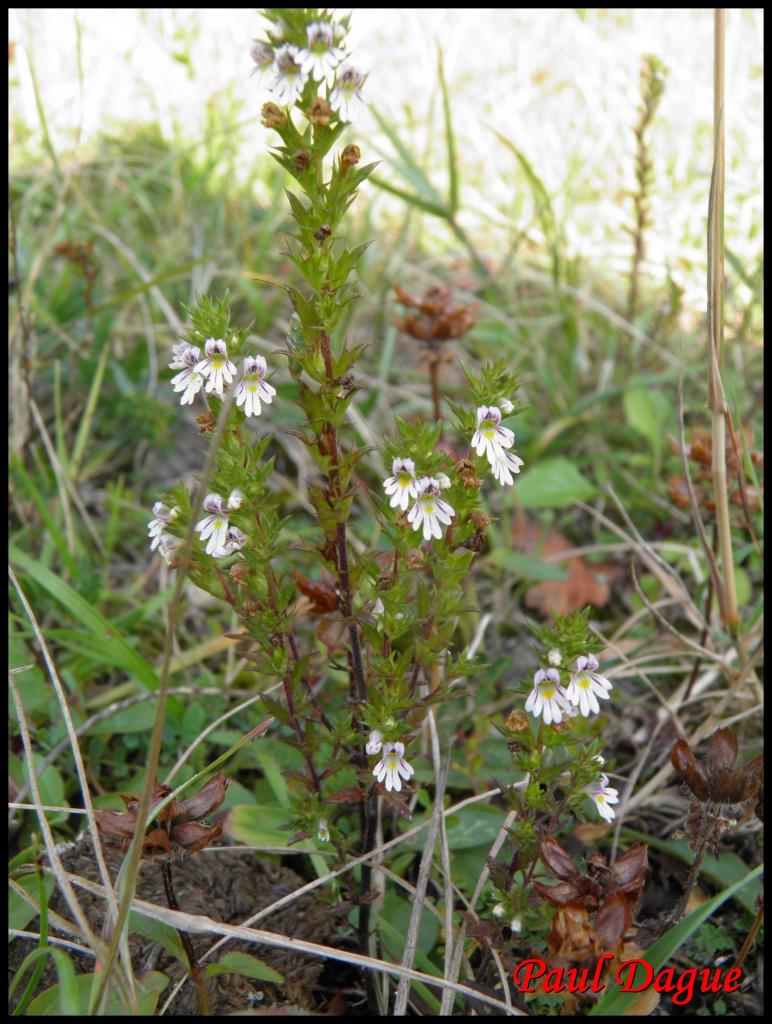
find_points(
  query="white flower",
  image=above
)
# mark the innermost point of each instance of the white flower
(506, 405)
(253, 388)
(599, 759)
(378, 608)
(168, 545)
(321, 55)
(429, 509)
(547, 697)
(587, 685)
(156, 526)
(443, 480)
(235, 499)
(504, 465)
(190, 380)
(375, 742)
(402, 485)
(499, 910)
(602, 795)
(323, 832)
(555, 658)
(234, 541)
(516, 924)
(290, 76)
(215, 525)
(346, 94)
(490, 438)
(393, 765)
(181, 356)
(216, 367)
(263, 56)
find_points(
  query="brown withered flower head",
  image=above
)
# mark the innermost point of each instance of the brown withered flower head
(435, 317)
(176, 829)
(742, 493)
(717, 785)
(593, 911)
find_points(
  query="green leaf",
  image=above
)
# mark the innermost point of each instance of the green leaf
(648, 411)
(394, 940)
(75, 999)
(50, 784)
(615, 1002)
(244, 964)
(164, 934)
(450, 139)
(104, 630)
(526, 566)
(723, 870)
(20, 913)
(552, 483)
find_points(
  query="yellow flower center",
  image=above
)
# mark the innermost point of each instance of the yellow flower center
(549, 694)
(428, 506)
(584, 681)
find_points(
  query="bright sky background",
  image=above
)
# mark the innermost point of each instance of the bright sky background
(561, 83)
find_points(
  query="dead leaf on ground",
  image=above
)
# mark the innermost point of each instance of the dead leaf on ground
(586, 583)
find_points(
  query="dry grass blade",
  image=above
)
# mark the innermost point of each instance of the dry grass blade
(498, 842)
(203, 925)
(411, 939)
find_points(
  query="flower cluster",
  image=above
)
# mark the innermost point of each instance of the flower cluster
(215, 373)
(429, 510)
(291, 67)
(166, 542)
(492, 440)
(392, 767)
(222, 538)
(551, 700)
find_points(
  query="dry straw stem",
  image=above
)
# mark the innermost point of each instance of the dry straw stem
(411, 940)
(130, 867)
(716, 398)
(349, 866)
(201, 924)
(79, 766)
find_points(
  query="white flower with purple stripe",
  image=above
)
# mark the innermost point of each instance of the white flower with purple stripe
(547, 699)
(602, 796)
(402, 484)
(290, 76)
(253, 389)
(190, 380)
(216, 367)
(346, 96)
(214, 526)
(393, 767)
(504, 465)
(430, 510)
(156, 526)
(587, 685)
(490, 438)
(263, 56)
(320, 55)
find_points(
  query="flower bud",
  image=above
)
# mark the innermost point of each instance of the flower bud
(272, 116)
(206, 421)
(301, 160)
(320, 112)
(517, 721)
(350, 156)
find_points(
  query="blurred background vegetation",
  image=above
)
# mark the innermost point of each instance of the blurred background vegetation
(527, 156)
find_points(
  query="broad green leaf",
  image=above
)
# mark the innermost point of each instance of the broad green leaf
(526, 566)
(552, 483)
(63, 997)
(397, 911)
(166, 936)
(649, 412)
(615, 1002)
(106, 631)
(246, 965)
(50, 784)
(20, 913)
(257, 826)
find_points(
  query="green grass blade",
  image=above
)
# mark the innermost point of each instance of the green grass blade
(436, 209)
(450, 140)
(89, 617)
(409, 169)
(615, 1002)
